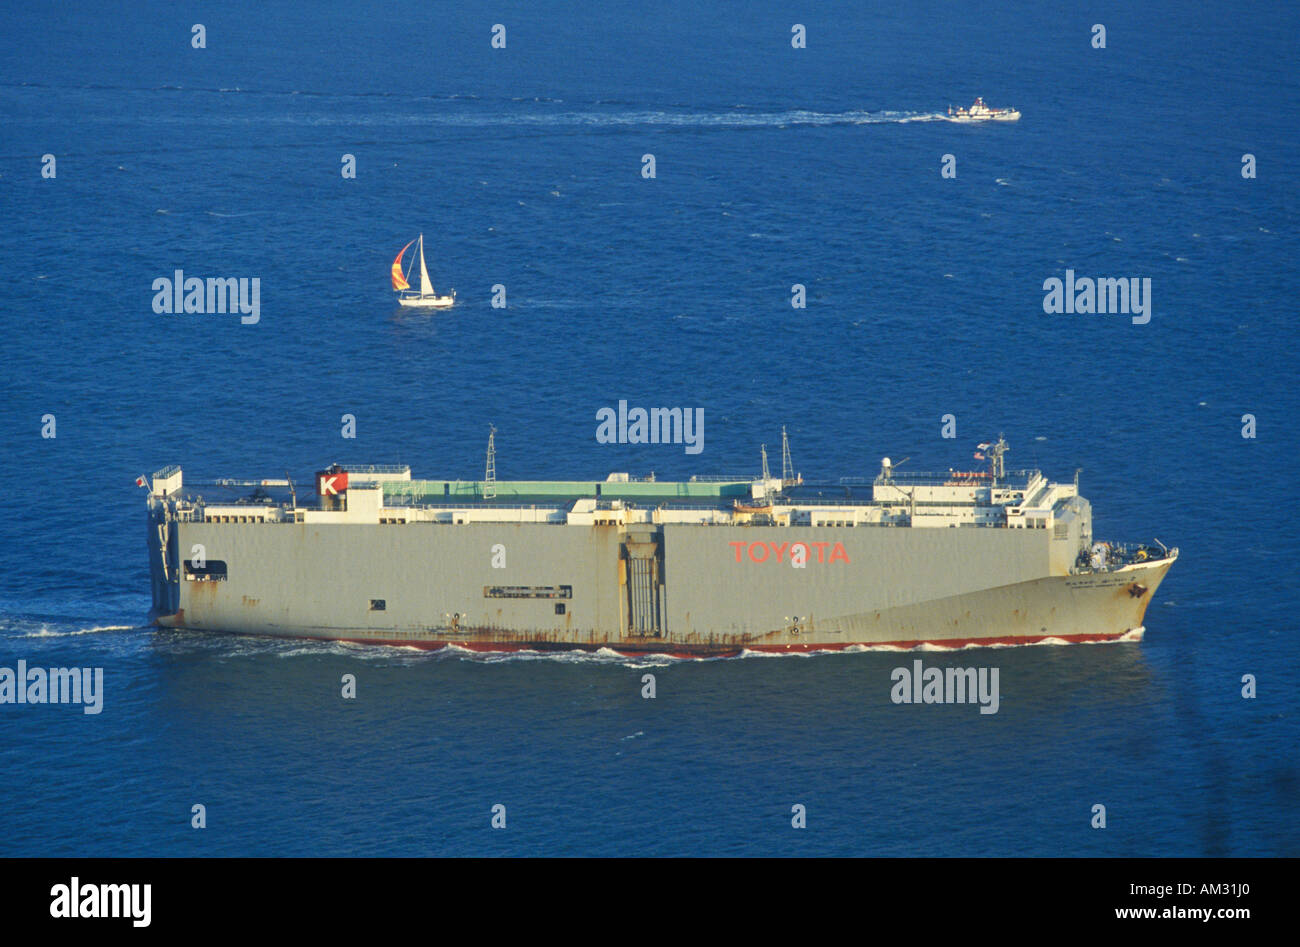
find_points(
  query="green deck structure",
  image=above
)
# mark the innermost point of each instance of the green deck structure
(564, 491)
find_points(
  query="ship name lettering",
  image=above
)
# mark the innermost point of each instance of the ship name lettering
(760, 552)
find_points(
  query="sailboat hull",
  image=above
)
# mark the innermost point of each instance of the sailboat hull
(427, 302)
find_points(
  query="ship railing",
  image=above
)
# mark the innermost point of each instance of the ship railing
(828, 501)
(376, 468)
(641, 504)
(408, 502)
(867, 501)
(715, 507)
(939, 478)
(233, 482)
(645, 503)
(719, 478)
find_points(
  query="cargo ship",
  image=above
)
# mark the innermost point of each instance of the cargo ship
(710, 566)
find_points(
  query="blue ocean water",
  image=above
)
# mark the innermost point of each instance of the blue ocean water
(774, 166)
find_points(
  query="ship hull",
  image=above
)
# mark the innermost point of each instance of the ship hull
(679, 590)
(969, 120)
(426, 302)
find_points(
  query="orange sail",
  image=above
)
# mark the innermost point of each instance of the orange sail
(399, 281)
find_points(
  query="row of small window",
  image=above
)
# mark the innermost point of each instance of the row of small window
(379, 605)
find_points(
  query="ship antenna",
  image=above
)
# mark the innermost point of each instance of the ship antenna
(999, 465)
(787, 467)
(490, 474)
(766, 475)
(293, 494)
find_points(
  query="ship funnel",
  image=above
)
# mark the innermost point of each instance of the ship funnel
(332, 487)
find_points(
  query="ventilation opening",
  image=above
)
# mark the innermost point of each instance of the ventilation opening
(213, 571)
(528, 591)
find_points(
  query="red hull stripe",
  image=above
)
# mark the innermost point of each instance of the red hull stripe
(714, 651)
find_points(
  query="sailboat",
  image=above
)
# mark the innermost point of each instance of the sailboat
(425, 297)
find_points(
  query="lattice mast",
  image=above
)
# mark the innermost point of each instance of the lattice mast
(490, 473)
(788, 476)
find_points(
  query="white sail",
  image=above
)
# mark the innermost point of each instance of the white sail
(426, 285)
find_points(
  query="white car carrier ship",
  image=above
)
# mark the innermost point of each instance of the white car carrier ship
(708, 566)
